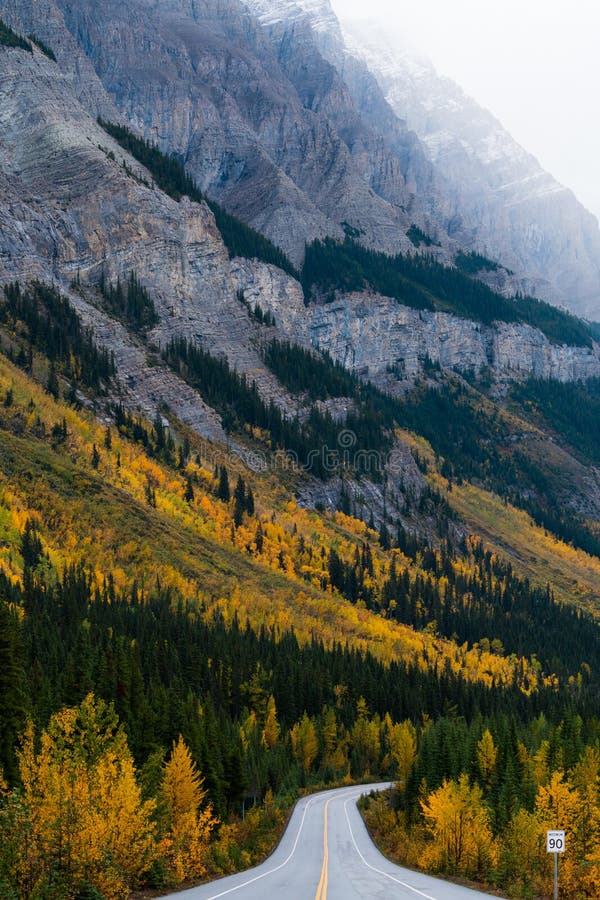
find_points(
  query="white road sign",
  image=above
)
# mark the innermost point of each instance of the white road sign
(555, 841)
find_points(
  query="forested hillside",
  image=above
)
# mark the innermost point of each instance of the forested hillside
(224, 649)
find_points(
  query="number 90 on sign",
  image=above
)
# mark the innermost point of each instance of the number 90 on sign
(555, 841)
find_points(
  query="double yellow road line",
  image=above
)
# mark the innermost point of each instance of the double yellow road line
(322, 888)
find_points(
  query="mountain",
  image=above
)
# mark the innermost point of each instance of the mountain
(503, 204)
(288, 521)
(486, 192)
(272, 101)
(218, 95)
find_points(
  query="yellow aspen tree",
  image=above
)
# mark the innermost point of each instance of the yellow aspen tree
(487, 754)
(402, 740)
(556, 803)
(328, 733)
(523, 854)
(115, 840)
(365, 739)
(248, 730)
(188, 826)
(333, 741)
(585, 839)
(305, 743)
(459, 824)
(270, 734)
(87, 818)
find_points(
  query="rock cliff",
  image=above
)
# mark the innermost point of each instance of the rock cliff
(258, 138)
(300, 131)
(389, 343)
(74, 204)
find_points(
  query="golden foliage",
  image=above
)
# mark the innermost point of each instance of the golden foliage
(459, 823)
(85, 810)
(305, 743)
(487, 754)
(270, 734)
(188, 827)
(402, 739)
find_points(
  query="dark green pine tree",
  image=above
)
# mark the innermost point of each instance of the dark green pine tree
(13, 691)
(259, 538)
(239, 496)
(95, 457)
(384, 535)
(159, 431)
(31, 546)
(237, 780)
(223, 492)
(189, 490)
(52, 385)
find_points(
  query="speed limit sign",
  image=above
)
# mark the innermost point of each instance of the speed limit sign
(555, 842)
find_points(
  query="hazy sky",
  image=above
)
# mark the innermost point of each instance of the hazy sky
(534, 63)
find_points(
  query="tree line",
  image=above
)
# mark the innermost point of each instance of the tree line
(42, 319)
(423, 283)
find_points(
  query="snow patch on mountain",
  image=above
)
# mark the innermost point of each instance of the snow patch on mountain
(319, 12)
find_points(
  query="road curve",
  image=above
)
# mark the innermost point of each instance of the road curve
(327, 854)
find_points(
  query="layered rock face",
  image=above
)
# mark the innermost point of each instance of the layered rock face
(286, 152)
(287, 123)
(392, 344)
(74, 205)
(483, 192)
(501, 201)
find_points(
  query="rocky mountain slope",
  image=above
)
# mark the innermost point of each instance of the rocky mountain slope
(79, 211)
(218, 95)
(279, 117)
(502, 202)
(77, 205)
(485, 191)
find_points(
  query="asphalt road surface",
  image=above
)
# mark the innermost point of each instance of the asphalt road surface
(327, 854)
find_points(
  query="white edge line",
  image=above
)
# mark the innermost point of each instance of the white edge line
(271, 871)
(238, 887)
(379, 871)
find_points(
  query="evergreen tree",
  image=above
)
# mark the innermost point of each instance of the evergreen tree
(258, 538)
(52, 385)
(31, 545)
(95, 457)
(239, 496)
(13, 690)
(223, 492)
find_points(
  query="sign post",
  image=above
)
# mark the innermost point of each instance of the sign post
(555, 843)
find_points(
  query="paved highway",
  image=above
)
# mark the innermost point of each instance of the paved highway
(327, 854)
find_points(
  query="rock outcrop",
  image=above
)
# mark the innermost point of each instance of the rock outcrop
(389, 343)
(301, 133)
(74, 204)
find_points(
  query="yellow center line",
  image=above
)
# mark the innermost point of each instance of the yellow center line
(322, 888)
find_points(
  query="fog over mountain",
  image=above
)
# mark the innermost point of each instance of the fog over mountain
(497, 199)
